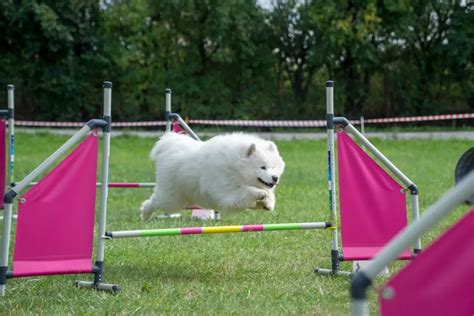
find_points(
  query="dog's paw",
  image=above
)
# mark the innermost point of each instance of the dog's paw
(146, 215)
(261, 195)
(268, 204)
(145, 210)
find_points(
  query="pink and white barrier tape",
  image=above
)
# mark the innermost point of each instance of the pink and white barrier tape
(260, 123)
(263, 123)
(80, 124)
(422, 118)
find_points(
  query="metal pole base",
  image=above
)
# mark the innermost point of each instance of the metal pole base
(330, 272)
(114, 288)
(359, 308)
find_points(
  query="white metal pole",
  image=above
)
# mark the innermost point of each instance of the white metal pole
(187, 128)
(11, 135)
(359, 308)
(168, 109)
(98, 283)
(5, 246)
(104, 189)
(415, 208)
(332, 173)
(362, 128)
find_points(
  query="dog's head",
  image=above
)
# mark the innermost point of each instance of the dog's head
(264, 165)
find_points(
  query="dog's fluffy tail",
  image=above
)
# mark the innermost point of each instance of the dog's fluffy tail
(171, 143)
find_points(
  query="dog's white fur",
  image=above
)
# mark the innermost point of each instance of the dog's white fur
(226, 172)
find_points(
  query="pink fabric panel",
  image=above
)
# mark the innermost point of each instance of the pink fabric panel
(55, 227)
(440, 281)
(49, 267)
(3, 153)
(373, 209)
(176, 128)
(367, 253)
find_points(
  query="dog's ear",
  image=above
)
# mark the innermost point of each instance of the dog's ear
(272, 146)
(251, 150)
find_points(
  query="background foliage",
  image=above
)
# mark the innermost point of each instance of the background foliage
(237, 59)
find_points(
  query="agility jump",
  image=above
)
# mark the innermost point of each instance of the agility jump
(216, 230)
(372, 204)
(361, 239)
(70, 234)
(49, 240)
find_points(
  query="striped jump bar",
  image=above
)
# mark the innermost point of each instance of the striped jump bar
(130, 184)
(121, 184)
(216, 230)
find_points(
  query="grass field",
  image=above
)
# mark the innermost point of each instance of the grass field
(254, 273)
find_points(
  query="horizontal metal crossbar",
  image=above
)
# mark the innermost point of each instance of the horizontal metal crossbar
(216, 229)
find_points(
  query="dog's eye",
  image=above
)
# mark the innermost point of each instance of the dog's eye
(263, 168)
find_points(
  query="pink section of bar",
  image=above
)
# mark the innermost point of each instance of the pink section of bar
(123, 185)
(373, 208)
(3, 153)
(440, 281)
(252, 228)
(191, 230)
(55, 226)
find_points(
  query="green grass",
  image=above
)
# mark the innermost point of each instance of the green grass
(264, 273)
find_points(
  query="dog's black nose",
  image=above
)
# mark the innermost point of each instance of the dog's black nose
(275, 178)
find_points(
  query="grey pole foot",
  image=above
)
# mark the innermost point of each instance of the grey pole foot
(114, 288)
(330, 272)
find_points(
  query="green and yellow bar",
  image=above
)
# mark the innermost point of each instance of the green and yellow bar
(216, 230)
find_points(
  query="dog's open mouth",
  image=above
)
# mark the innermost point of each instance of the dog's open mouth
(270, 185)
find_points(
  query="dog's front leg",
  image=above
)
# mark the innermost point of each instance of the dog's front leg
(246, 197)
(262, 199)
(268, 203)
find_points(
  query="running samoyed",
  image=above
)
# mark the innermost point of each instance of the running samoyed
(227, 172)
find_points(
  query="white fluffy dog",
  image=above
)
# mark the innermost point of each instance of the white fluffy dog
(227, 172)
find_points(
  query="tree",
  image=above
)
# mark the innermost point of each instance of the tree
(428, 49)
(351, 29)
(235, 59)
(294, 38)
(52, 52)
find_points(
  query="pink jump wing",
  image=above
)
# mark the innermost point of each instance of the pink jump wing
(440, 281)
(55, 228)
(373, 205)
